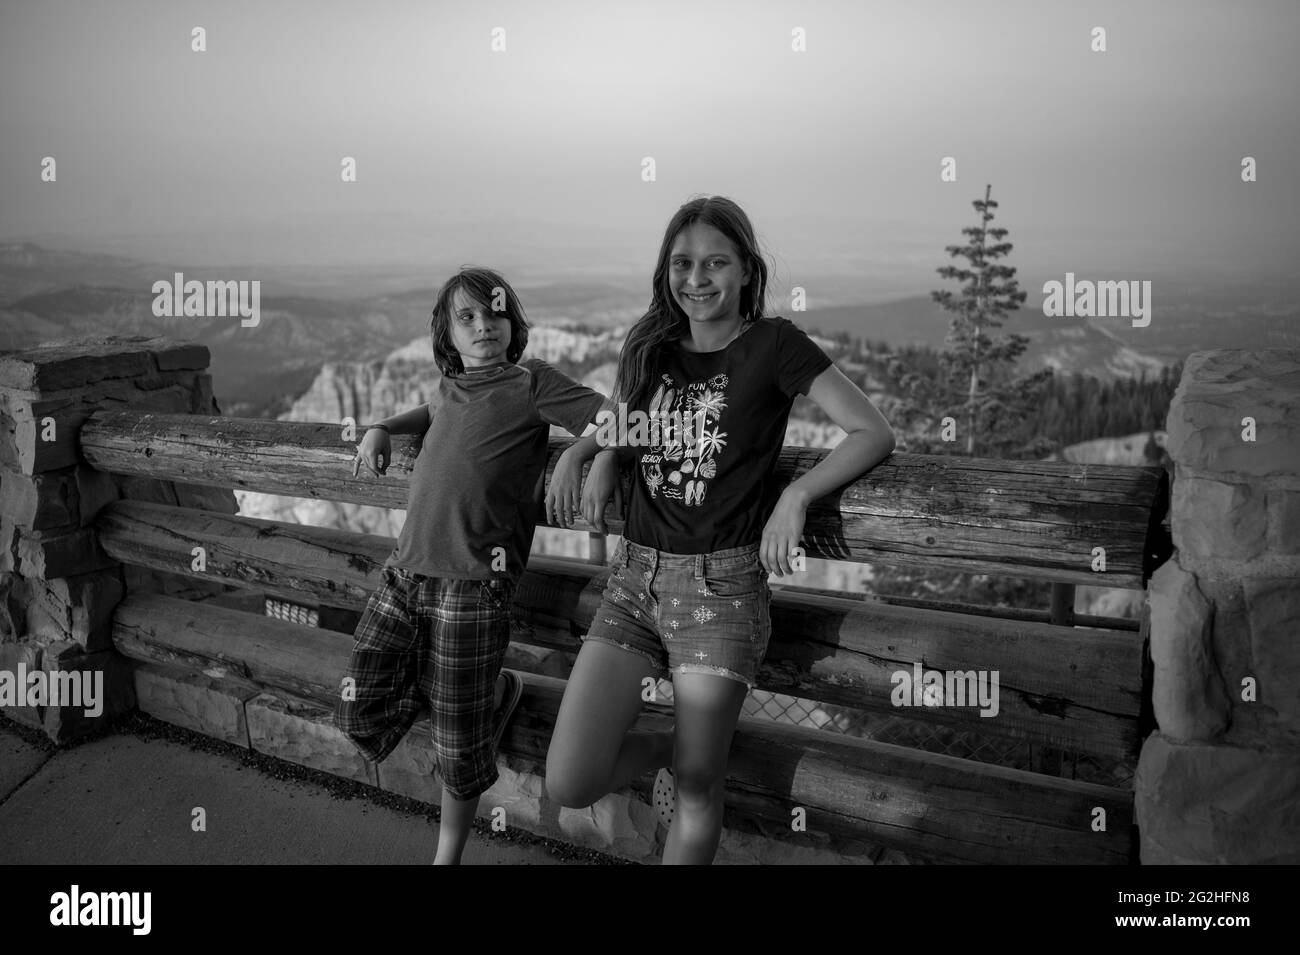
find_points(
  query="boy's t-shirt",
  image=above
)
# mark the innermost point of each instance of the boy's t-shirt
(715, 490)
(477, 481)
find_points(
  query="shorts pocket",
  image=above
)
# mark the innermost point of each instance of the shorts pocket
(743, 581)
(497, 593)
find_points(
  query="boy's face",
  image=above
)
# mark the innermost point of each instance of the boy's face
(480, 335)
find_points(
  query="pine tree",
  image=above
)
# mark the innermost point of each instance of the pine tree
(974, 384)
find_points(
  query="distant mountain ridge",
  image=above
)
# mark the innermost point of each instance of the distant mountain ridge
(49, 295)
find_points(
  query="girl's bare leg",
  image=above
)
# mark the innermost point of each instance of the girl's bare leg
(707, 709)
(592, 753)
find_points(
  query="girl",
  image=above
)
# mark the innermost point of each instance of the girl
(437, 629)
(688, 593)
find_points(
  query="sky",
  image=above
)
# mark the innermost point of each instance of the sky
(1126, 161)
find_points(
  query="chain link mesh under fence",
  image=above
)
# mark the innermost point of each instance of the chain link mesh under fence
(929, 737)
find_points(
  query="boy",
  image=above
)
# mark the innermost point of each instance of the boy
(438, 627)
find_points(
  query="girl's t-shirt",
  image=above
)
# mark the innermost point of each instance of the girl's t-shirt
(476, 487)
(704, 478)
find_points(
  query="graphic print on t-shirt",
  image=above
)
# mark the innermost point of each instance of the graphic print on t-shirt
(688, 421)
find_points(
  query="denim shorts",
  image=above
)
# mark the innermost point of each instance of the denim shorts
(688, 613)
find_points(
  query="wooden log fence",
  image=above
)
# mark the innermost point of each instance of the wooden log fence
(1061, 686)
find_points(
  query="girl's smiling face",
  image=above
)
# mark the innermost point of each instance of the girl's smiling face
(706, 275)
(480, 335)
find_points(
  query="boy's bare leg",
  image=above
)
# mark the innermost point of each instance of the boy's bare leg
(453, 832)
(458, 814)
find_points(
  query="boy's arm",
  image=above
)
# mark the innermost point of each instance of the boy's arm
(415, 421)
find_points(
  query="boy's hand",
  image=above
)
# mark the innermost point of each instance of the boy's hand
(602, 481)
(374, 450)
(563, 494)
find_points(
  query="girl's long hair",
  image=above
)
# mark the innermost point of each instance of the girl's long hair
(481, 285)
(665, 322)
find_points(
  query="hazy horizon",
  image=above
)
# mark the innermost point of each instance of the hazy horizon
(1118, 165)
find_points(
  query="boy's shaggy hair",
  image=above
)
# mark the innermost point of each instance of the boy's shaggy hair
(482, 286)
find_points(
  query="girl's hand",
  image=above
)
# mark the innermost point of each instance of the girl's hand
(563, 494)
(374, 450)
(602, 481)
(782, 533)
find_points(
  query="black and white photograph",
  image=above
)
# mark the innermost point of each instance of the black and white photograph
(576, 433)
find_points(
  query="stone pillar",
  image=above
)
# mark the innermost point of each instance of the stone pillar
(1219, 782)
(58, 589)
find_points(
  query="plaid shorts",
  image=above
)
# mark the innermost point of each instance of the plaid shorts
(435, 641)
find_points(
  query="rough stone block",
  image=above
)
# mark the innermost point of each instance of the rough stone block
(1218, 390)
(44, 433)
(410, 769)
(1284, 521)
(94, 489)
(29, 656)
(1188, 695)
(1204, 804)
(15, 597)
(53, 500)
(187, 355)
(208, 705)
(71, 364)
(78, 609)
(1232, 654)
(37, 502)
(202, 400)
(1218, 520)
(619, 822)
(300, 731)
(1274, 609)
(61, 555)
(8, 545)
(108, 672)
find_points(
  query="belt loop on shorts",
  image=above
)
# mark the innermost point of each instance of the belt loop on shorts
(699, 566)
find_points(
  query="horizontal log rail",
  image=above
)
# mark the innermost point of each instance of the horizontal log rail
(920, 802)
(1035, 519)
(980, 610)
(1072, 689)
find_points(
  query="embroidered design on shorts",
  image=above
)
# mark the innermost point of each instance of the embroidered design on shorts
(703, 614)
(618, 594)
(676, 602)
(736, 604)
(673, 624)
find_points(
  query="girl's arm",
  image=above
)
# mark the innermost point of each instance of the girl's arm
(869, 440)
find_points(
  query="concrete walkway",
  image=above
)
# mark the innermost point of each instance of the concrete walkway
(129, 797)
